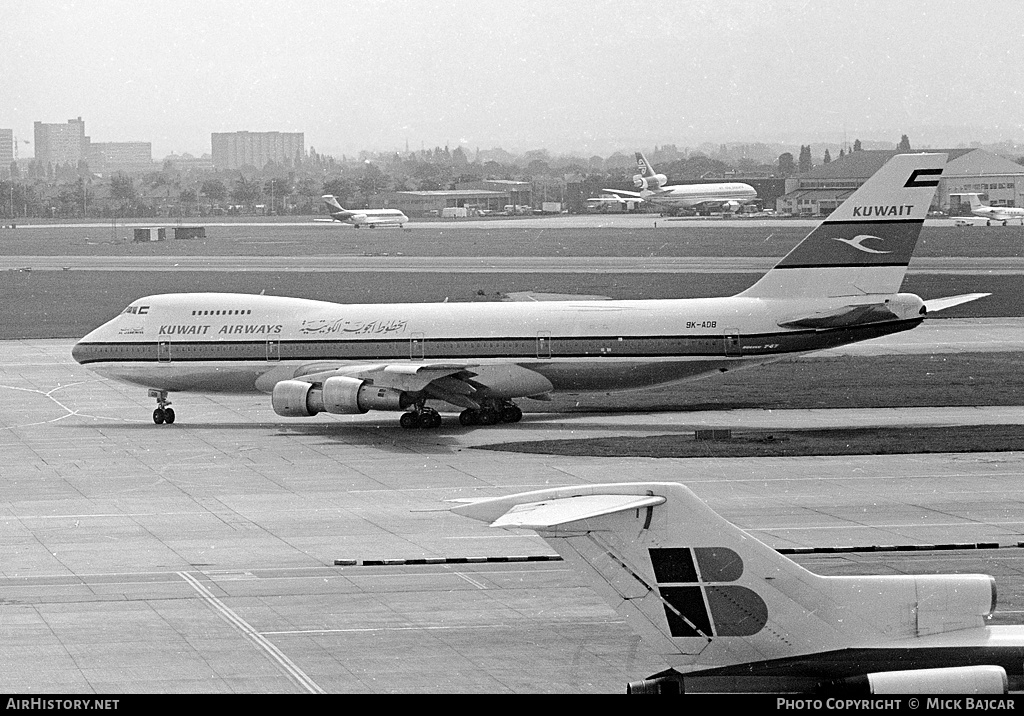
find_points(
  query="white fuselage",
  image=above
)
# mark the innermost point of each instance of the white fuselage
(247, 343)
(371, 217)
(999, 213)
(688, 196)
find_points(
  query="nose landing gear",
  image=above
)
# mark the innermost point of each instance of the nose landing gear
(162, 414)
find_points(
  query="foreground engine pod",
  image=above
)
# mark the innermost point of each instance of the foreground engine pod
(340, 394)
(981, 679)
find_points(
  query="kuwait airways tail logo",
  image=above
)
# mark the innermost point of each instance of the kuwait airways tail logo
(857, 242)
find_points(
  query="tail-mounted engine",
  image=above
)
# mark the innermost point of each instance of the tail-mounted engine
(339, 394)
(655, 181)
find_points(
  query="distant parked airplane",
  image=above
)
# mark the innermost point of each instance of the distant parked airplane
(726, 612)
(727, 195)
(997, 213)
(363, 217)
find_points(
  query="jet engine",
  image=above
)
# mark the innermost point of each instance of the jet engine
(358, 218)
(981, 679)
(339, 394)
(652, 182)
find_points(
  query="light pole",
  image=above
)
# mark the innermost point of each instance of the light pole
(271, 197)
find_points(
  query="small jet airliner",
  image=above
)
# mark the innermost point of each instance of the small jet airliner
(727, 612)
(362, 217)
(728, 196)
(839, 285)
(996, 213)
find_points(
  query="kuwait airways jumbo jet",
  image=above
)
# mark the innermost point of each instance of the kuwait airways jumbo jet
(727, 195)
(839, 285)
(727, 612)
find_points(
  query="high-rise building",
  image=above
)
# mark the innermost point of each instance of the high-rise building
(6, 151)
(232, 150)
(59, 144)
(128, 157)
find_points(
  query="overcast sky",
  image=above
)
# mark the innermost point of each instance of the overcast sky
(589, 76)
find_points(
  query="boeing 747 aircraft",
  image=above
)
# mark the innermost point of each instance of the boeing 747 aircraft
(727, 612)
(727, 195)
(362, 217)
(839, 285)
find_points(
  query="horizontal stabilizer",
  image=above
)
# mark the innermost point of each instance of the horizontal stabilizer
(843, 317)
(550, 513)
(941, 304)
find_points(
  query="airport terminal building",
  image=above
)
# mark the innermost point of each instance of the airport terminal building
(819, 191)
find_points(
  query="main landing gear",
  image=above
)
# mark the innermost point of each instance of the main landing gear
(420, 417)
(492, 412)
(162, 414)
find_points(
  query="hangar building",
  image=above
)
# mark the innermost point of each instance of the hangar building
(825, 187)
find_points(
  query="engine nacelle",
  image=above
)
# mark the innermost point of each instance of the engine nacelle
(655, 181)
(339, 394)
(906, 305)
(981, 679)
(358, 218)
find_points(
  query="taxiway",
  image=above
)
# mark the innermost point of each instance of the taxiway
(201, 557)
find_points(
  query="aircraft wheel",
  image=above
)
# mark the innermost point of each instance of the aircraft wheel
(409, 421)
(168, 415)
(468, 417)
(488, 417)
(158, 416)
(430, 420)
(512, 414)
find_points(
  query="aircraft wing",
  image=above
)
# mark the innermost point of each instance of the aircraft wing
(940, 304)
(443, 381)
(623, 192)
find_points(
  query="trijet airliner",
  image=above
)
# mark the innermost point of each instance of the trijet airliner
(728, 196)
(728, 613)
(839, 285)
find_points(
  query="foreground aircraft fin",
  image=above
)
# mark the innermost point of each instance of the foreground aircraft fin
(706, 595)
(864, 246)
(941, 304)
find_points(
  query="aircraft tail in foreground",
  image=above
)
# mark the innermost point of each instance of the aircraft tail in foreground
(729, 613)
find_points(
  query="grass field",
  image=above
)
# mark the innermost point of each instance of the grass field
(788, 443)
(669, 239)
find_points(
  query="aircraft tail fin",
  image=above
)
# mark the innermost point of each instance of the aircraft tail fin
(643, 166)
(332, 202)
(707, 595)
(975, 200)
(864, 246)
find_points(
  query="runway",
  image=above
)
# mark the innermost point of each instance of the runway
(200, 557)
(473, 264)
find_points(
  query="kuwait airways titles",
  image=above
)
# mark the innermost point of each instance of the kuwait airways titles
(902, 210)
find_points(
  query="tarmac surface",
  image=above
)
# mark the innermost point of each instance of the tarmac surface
(200, 556)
